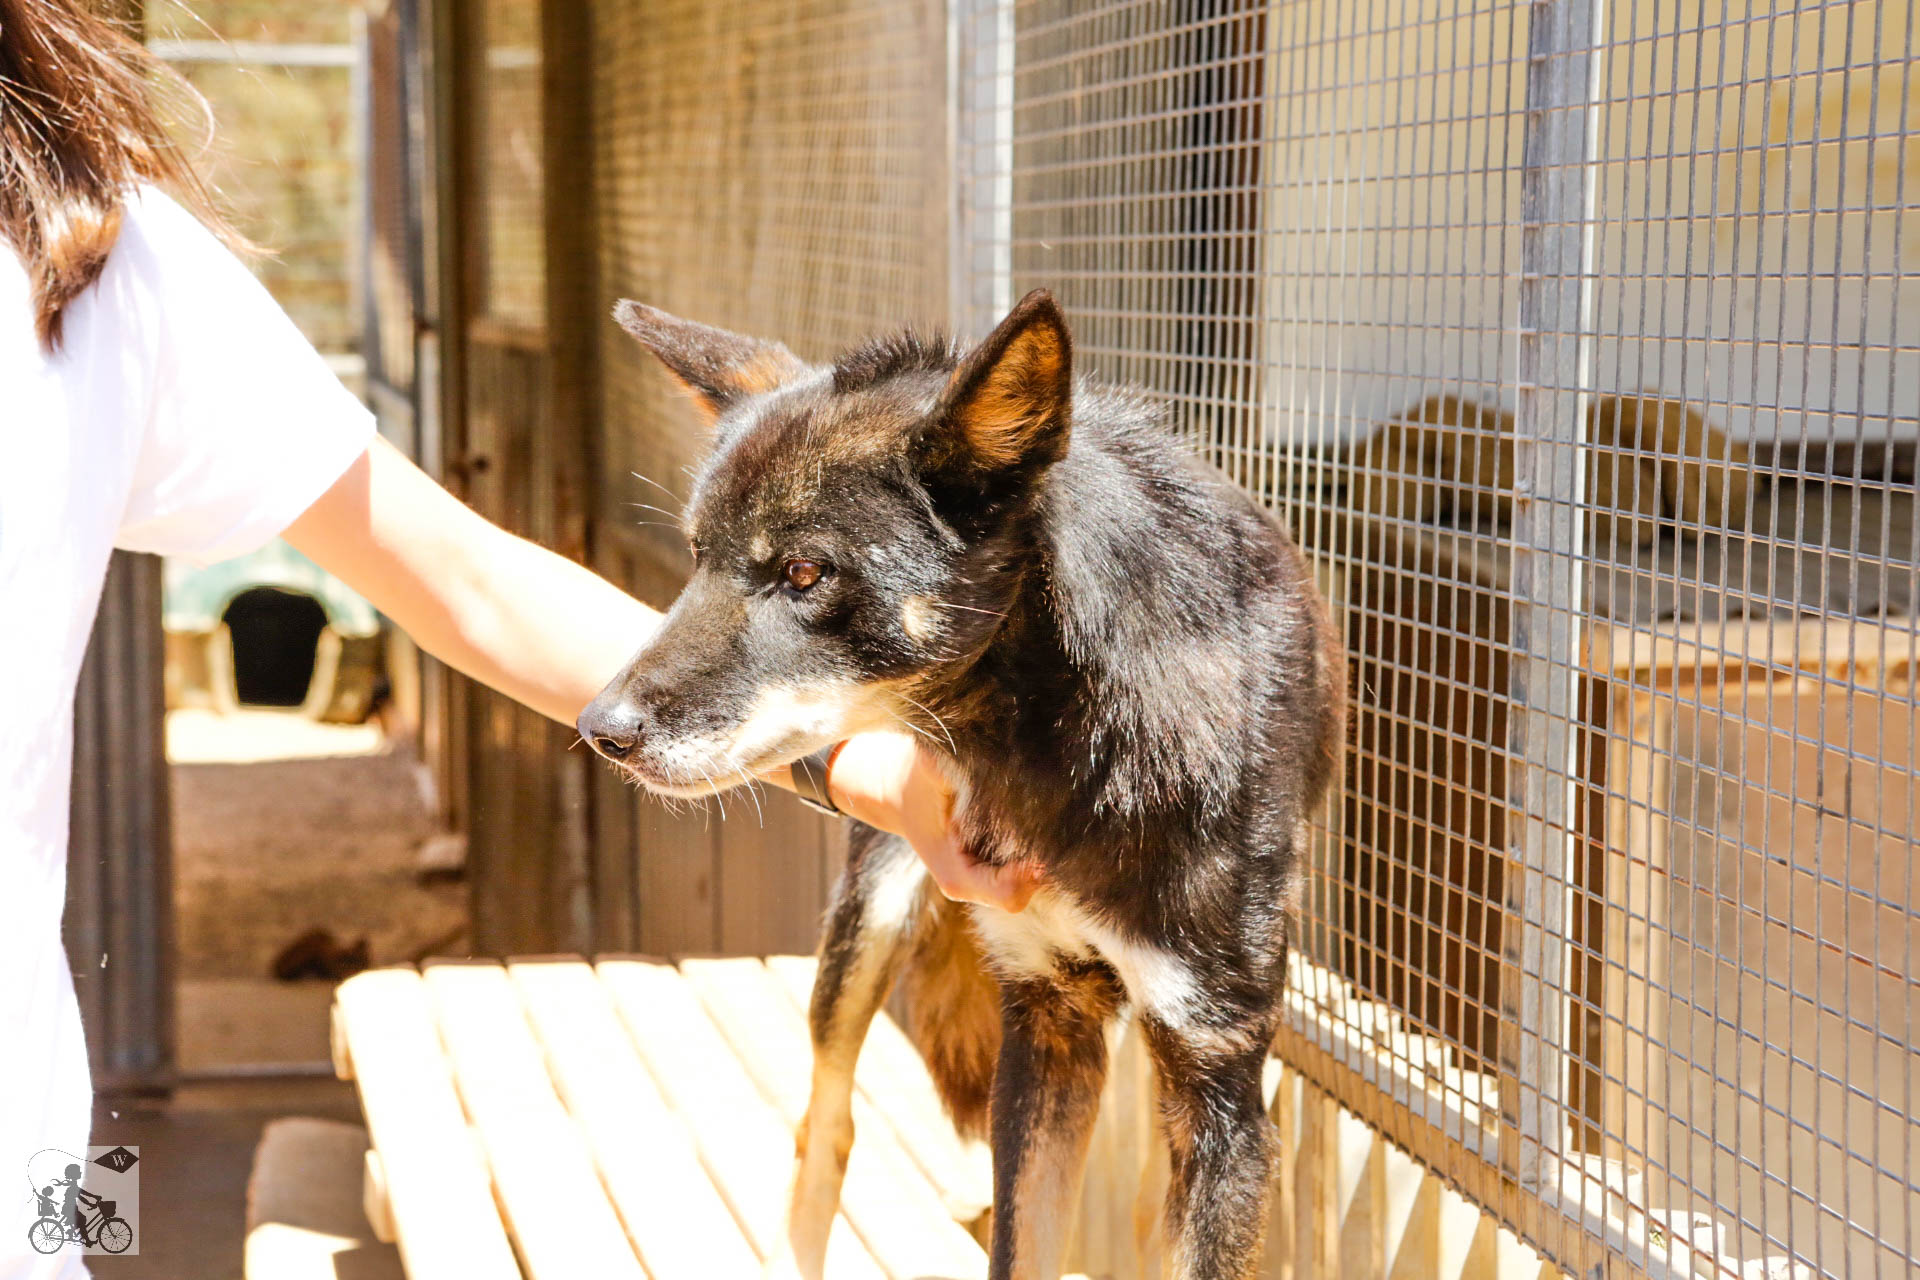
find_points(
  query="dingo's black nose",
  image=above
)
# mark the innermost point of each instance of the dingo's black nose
(613, 728)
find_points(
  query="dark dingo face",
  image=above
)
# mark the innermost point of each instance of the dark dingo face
(858, 533)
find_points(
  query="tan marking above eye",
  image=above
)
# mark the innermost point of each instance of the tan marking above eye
(918, 619)
(801, 573)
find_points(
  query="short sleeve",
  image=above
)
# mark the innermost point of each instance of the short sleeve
(247, 425)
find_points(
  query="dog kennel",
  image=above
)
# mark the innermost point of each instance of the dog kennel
(1575, 339)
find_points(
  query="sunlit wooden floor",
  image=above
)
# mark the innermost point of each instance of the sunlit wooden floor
(635, 1118)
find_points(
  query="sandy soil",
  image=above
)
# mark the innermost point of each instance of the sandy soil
(282, 825)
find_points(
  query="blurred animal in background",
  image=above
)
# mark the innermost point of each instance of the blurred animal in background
(318, 954)
(1654, 464)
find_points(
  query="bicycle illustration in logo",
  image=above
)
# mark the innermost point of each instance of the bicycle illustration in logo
(77, 1216)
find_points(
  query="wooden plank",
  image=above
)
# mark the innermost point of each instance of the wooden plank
(439, 1190)
(616, 919)
(892, 1076)
(1283, 1221)
(507, 873)
(1837, 648)
(1316, 1237)
(889, 1200)
(743, 1142)
(375, 1203)
(1498, 1254)
(1412, 1212)
(543, 1172)
(770, 895)
(570, 254)
(1150, 1203)
(1459, 1223)
(1121, 1193)
(1362, 1196)
(673, 1213)
(678, 871)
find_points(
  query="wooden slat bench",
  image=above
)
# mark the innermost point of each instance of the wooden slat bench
(553, 1118)
(631, 1117)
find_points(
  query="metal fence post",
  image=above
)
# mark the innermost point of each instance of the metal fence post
(980, 58)
(1555, 350)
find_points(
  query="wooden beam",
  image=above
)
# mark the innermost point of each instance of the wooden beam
(544, 1176)
(647, 1158)
(436, 1184)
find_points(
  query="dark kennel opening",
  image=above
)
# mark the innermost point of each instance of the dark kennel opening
(274, 635)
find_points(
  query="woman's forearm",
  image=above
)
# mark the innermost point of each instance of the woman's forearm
(532, 624)
(511, 614)
(536, 626)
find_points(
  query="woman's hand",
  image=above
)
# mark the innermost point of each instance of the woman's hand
(886, 781)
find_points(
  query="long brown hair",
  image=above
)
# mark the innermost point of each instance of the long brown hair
(81, 123)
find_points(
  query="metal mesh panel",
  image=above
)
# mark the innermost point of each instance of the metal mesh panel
(779, 168)
(1568, 337)
(509, 278)
(392, 223)
(1754, 224)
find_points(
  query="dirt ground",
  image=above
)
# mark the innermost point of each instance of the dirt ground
(281, 826)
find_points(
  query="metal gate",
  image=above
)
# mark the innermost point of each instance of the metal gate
(1569, 338)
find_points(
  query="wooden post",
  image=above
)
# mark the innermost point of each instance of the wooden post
(119, 911)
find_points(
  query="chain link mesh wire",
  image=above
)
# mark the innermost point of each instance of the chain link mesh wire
(509, 262)
(1569, 339)
(1575, 340)
(778, 168)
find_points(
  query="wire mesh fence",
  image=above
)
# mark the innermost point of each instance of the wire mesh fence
(770, 166)
(1576, 341)
(509, 271)
(1567, 337)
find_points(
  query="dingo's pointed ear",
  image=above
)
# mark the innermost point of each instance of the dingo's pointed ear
(719, 368)
(1009, 404)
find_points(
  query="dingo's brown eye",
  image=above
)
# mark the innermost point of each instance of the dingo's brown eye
(801, 574)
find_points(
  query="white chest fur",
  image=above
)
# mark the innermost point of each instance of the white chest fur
(1054, 928)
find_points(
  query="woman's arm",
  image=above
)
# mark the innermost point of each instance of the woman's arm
(549, 633)
(534, 625)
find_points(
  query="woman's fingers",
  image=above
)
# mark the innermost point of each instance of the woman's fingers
(886, 781)
(1008, 888)
(964, 878)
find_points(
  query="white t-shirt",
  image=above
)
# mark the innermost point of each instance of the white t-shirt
(183, 414)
